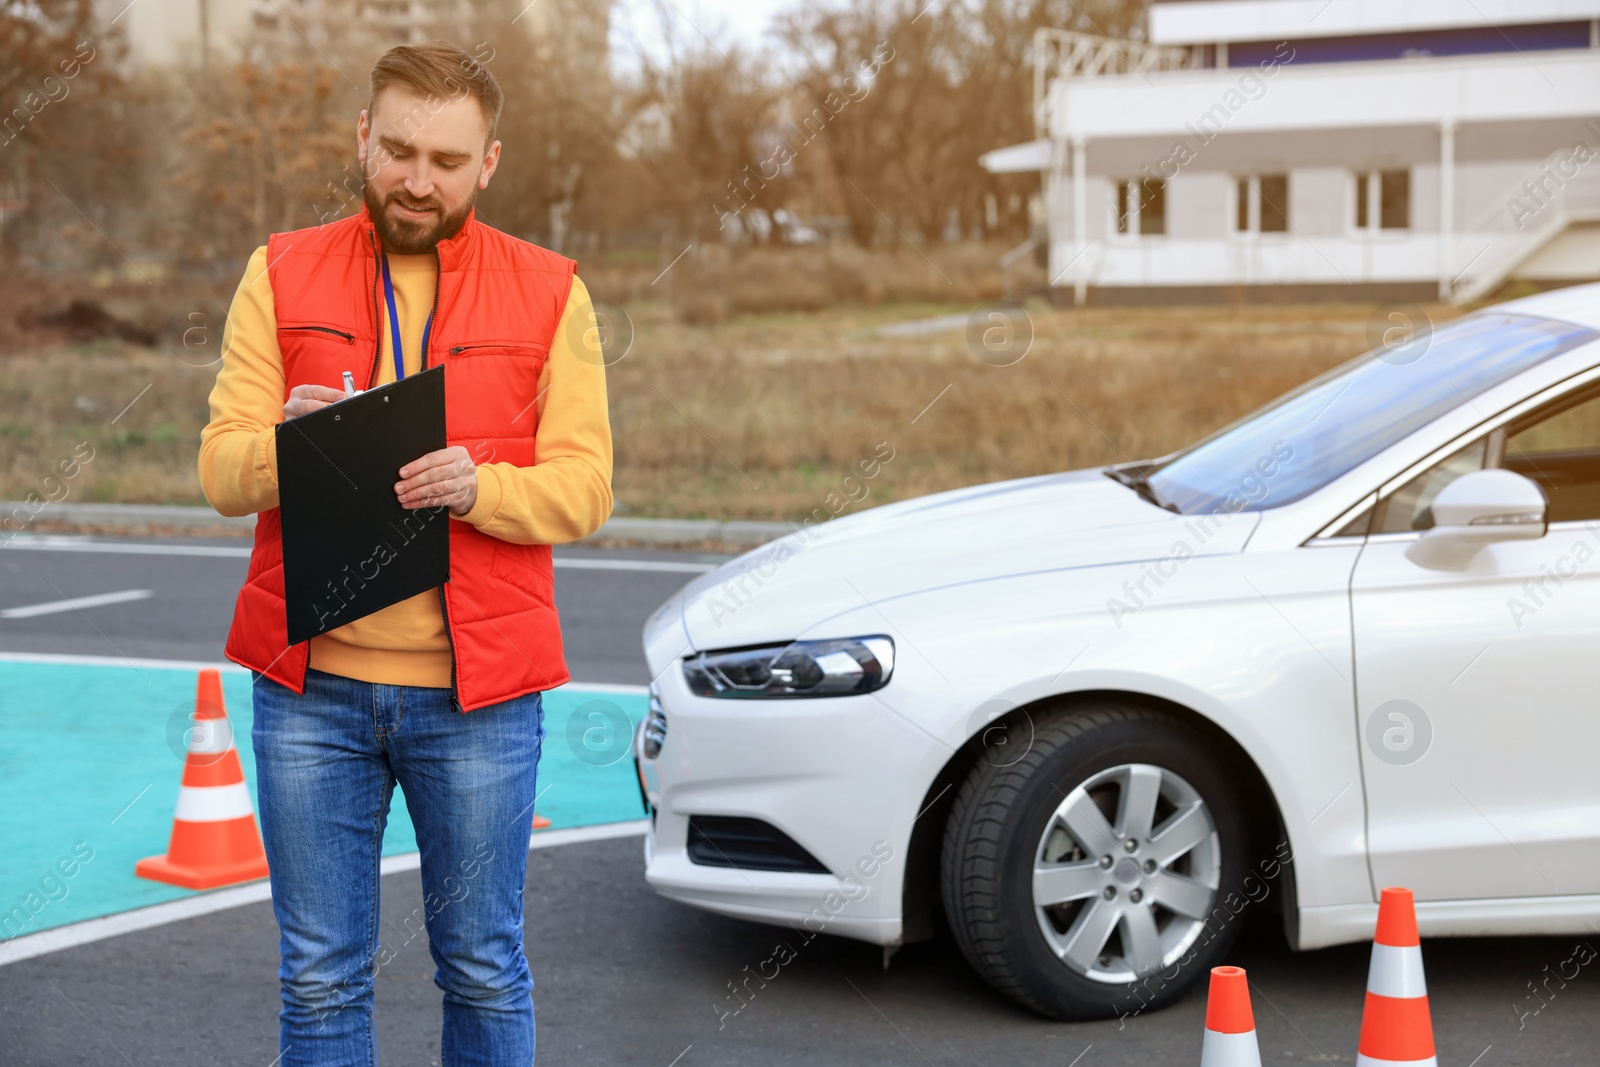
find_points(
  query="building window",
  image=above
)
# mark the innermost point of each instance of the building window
(1261, 204)
(1390, 191)
(1142, 206)
(1274, 189)
(1152, 206)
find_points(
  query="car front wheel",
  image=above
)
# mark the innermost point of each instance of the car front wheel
(1083, 876)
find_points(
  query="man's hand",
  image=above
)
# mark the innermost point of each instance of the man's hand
(446, 477)
(304, 399)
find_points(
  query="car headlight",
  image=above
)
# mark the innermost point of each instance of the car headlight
(837, 667)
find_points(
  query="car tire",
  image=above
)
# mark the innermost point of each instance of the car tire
(1136, 924)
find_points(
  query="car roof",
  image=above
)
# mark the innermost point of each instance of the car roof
(1578, 304)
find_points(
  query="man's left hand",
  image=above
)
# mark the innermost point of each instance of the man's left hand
(447, 477)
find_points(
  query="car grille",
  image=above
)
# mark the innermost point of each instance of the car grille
(747, 844)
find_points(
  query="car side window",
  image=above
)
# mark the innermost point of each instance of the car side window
(1558, 446)
(1410, 506)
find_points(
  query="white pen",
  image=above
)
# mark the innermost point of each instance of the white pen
(349, 384)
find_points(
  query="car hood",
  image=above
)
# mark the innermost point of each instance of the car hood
(791, 587)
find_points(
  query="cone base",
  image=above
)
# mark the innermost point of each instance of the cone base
(160, 869)
(1368, 1061)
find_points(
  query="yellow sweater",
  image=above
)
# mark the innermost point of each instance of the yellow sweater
(564, 496)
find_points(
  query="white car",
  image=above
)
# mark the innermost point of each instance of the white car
(1093, 721)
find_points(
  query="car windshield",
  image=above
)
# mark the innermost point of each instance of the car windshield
(1308, 437)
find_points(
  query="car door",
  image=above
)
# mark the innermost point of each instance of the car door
(1478, 691)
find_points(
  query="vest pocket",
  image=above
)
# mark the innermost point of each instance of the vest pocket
(525, 567)
(331, 332)
(505, 349)
(493, 386)
(315, 352)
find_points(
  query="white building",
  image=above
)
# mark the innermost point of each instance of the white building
(1321, 148)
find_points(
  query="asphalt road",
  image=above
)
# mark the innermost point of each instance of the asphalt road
(191, 603)
(626, 977)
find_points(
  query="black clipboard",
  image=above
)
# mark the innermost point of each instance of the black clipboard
(349, 547)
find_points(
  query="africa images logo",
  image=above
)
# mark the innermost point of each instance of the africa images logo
(1399, 732)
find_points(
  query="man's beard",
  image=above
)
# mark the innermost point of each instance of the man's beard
(414, 236)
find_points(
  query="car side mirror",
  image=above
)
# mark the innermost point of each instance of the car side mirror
(1478, 509)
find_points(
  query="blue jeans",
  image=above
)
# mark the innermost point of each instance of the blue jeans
(326, 766)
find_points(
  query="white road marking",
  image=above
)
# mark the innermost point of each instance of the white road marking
(82, 933)
(74, 603)
(121, 548)
(118, 661)
(136, 548)
(603, 687)
(672, 566)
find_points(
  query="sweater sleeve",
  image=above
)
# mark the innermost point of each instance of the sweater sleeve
(238, 455)
(566, 494)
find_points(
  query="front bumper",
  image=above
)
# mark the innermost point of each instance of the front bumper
(842, 776)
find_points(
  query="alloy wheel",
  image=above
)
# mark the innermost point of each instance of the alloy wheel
(1126, 873)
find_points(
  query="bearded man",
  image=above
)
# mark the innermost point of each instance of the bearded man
(442, 692)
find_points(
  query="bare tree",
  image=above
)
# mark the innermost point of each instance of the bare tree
(559, 126)
(949, 82)
(710, 108)
(262, 150)
(68, 158)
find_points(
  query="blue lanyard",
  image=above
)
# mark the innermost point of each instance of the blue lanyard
(394, 326)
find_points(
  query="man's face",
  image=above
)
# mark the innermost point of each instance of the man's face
(423, 162)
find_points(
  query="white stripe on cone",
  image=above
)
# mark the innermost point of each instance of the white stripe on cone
(1368, 1061)
(213, 803)
(1396, 971)
(1230, 1050)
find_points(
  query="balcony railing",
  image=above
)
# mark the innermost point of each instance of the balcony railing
(1065, 54)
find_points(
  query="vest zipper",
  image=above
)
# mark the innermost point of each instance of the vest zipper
(455, 701)
(349, 338)
(377, 313)
(458, 349)
(438, 277)
(444, 609)
(372, 381)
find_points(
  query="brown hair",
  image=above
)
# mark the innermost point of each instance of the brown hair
(438, 70)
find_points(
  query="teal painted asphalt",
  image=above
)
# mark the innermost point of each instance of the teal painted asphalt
(91, 755)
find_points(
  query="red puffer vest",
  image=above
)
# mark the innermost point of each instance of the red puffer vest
(496, 306)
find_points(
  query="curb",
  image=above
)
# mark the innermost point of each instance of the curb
(735, 532)
(122, 515)
(748, 533)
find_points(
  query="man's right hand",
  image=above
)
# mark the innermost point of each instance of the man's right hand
(304, 399)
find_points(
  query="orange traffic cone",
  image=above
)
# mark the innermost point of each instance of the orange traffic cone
(1230, 1024)
(214, 837)
(1396, 1027)
(540, 822)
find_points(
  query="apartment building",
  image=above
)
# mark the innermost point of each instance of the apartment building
(1354, 148)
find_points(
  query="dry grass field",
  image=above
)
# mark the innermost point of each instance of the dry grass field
(762, 415)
